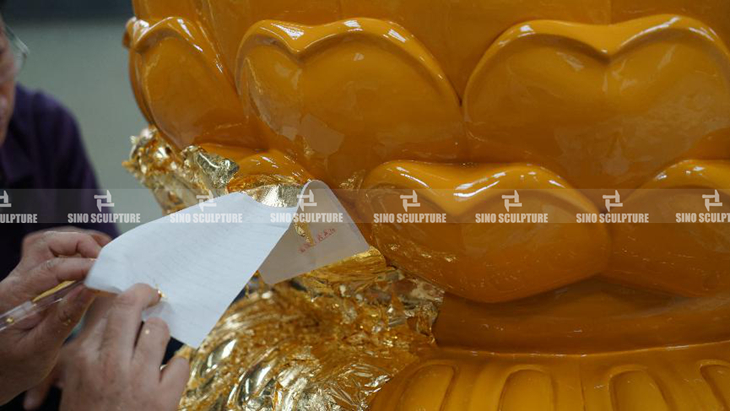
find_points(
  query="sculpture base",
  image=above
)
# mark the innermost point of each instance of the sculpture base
(693, 377)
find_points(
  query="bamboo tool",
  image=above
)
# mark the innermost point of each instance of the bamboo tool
(37, 304)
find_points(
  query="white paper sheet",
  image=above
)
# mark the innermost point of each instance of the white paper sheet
(202, 266)
(333, 242)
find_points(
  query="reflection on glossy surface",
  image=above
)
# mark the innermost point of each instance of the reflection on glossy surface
(462, 100)
(387, 98)
(485, 262)
(693, 259)
(604, 107)
(587, 317)
(181, 105)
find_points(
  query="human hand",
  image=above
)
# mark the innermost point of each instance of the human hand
(118, 365)
(36, 396)
(29, 349)
(101, 238)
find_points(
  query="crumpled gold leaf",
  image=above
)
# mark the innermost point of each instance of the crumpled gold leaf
(177, 179)
(326, 340)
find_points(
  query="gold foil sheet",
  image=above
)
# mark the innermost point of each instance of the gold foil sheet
(274, 191)
(326, 340)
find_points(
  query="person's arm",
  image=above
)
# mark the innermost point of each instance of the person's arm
(70, 172)
(29, 349)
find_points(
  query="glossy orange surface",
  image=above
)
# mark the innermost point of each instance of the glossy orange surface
(687, 378)
(606, 106)
(464, 101)
(485, 262)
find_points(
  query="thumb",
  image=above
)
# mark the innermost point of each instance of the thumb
(60, 320)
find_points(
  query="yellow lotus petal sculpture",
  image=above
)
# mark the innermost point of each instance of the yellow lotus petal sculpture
(604, 107)
(565, 101)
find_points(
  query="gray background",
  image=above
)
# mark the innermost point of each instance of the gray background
(66, 9)
(76, 55)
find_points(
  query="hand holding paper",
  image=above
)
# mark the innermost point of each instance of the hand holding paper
(201, 258)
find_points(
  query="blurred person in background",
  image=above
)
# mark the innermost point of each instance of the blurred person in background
(41, 153)
(40, 150)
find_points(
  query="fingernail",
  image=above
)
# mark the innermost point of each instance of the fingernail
(30, 401)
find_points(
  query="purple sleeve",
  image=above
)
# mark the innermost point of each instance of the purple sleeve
(74, 177)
